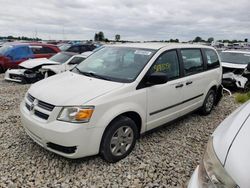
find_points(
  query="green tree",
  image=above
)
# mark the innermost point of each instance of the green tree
(210, 39)
(197, 39)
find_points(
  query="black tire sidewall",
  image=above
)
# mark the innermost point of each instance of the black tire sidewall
(109, 132)
(203, 109)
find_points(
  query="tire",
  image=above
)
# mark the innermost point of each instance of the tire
(208, 103)
(116, 144)
(1, 69)
(247, 87)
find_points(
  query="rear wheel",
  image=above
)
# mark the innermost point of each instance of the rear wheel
(119, 139)
(1, 69)
(208, 103)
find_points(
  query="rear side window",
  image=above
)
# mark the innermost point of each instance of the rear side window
(192, 60)
(167, 63)
(48, 50)
(212, 59)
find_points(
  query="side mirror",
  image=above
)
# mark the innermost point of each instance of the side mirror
(157, 78)
(248, 66)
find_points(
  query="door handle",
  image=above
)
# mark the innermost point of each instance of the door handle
(179, 85)
(188, 83)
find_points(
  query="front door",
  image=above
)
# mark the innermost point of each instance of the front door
(164, 101)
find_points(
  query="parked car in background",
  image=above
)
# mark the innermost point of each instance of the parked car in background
(29, 71)
(77, 47)
(236, 68)
(226, 159)
(49, 70)
(12, 54)
(117, 93)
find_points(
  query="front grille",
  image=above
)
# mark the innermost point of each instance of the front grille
(27, 106)
(45, 105)
(41, 109)
(63, 149)
(30, 97)
(15, 77)
(41, 115)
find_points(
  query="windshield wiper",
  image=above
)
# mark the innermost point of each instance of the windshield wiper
(92, 74)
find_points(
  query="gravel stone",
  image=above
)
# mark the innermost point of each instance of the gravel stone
(165, 158)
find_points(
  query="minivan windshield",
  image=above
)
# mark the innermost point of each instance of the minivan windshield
(234, 57)
(120, 64)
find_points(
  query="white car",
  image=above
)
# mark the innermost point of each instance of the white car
(50, 70)
(225, 162)
(236, 68)
(29, 71)
(118, 93)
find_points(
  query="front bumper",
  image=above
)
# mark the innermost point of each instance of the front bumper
(15, 75)
(71, 140)
(194, 182)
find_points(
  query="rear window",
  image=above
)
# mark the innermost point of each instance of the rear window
(212, 59)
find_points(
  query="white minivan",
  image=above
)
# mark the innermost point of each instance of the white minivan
(116, 94)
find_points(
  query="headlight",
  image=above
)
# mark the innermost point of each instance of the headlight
(76, 114)
(211, 172)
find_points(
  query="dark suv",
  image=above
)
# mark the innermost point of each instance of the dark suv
(77, 48)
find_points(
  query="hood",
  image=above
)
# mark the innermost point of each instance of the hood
(54, 68)
(233, 65)
(224, 134)
(237, 162)
(31, 63)
(70, 88)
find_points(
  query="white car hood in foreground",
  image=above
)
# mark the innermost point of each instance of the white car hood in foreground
(31, 63)
(70, 88)
(224, 134)
(233, 65)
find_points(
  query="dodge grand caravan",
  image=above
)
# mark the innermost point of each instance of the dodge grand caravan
(116, 94)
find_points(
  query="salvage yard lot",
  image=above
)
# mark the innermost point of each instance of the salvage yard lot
(165, 158)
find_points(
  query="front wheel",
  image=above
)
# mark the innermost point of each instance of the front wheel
(119, 139)
(208, 103)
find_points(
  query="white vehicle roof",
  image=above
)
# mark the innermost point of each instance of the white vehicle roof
(157, 46)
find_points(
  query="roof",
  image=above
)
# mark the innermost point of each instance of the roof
(157, 46)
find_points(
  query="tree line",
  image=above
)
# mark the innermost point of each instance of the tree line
(10, 38)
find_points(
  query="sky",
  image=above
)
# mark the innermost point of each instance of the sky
(132, 19)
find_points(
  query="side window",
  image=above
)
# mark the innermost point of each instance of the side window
(36, 49)
(167, 63)
(212, 59)
(192, 60)
(48, 50)
(84, 49)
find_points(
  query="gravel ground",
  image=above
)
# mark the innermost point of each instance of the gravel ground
(164, 158)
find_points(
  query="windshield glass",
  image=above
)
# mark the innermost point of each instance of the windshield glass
(5, 49)
(64, 47)
(61, 57)
(233, 57)
(119, 64)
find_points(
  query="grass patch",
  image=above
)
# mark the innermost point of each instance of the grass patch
(242, 97)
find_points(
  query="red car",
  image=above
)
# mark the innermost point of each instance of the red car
(11, 54)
